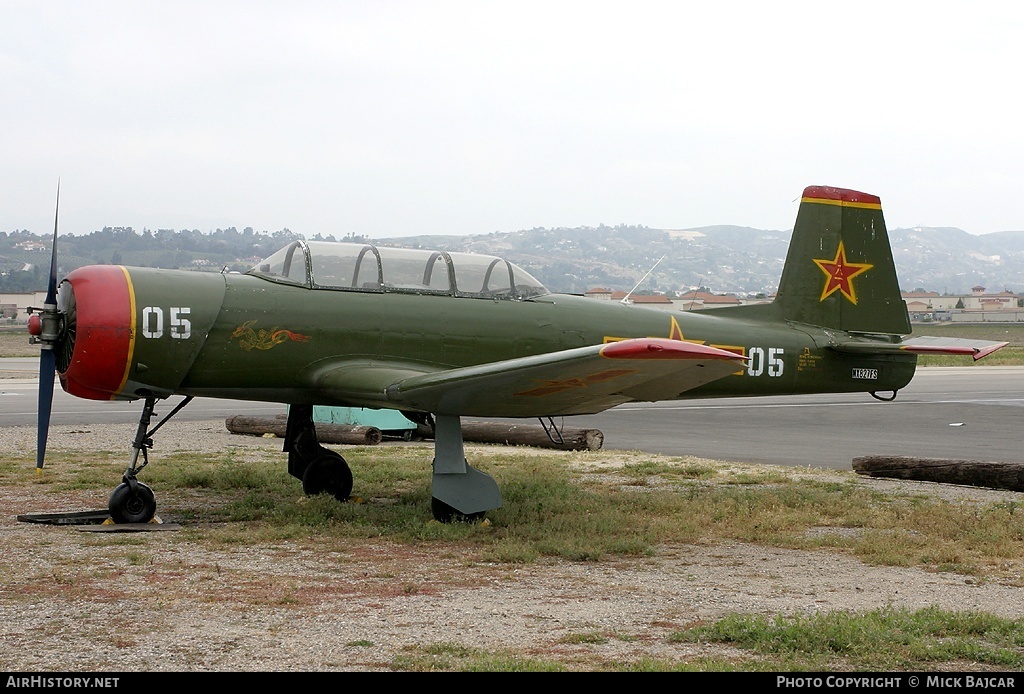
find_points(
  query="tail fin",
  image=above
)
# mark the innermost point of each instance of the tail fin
(839, 272)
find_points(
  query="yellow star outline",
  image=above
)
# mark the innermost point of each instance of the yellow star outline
(840, 272)
(674, 333)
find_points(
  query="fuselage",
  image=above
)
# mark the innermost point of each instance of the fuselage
(147, 331)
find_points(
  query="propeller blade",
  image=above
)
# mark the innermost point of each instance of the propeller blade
(47, 369)
(47, 356)
(51, 286)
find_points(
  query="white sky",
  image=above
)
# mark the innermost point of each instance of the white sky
(396, 118)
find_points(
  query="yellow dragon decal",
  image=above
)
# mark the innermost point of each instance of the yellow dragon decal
(249, 339)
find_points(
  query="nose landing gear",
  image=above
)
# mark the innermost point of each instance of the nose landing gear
(132, 501)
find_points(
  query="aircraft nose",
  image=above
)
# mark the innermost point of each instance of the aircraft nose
(99, 331)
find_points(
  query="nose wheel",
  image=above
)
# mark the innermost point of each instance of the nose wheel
(132, 502)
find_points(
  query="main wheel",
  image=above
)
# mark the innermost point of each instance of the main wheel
(328, 473)
(126, 506)
(443, 513)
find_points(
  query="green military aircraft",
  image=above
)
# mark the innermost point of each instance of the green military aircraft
(444, 335)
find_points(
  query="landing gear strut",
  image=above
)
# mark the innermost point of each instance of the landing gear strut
(132, 501)
(460, 492)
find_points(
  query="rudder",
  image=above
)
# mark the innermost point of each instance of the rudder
(839, 271)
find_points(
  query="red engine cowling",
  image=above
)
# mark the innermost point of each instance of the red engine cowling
(95, 349)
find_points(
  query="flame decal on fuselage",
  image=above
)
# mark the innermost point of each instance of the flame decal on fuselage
(249, 338)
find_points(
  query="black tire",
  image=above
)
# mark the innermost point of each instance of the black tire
(443, 513)
(126, 506)
(328, 474)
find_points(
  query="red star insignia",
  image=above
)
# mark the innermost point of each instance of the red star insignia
(839, 273)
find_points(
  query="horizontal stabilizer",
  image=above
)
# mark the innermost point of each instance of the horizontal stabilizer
(977, 349)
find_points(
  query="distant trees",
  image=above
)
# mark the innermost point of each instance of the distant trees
(23, 270)
(19, 281)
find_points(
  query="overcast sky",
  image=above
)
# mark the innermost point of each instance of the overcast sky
(397, 118)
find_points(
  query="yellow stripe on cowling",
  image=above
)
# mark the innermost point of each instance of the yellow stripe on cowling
(132, 331)
(844, 203)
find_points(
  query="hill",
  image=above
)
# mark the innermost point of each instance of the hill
(732, 259)
(722, 259)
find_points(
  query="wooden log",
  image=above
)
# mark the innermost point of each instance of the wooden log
(573, 438)
(975, 473)
(326, 433)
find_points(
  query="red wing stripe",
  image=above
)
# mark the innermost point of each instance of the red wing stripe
(661, 348)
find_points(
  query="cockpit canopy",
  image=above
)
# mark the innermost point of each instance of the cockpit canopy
(363, 267)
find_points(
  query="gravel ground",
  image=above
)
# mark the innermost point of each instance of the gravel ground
(78, 601)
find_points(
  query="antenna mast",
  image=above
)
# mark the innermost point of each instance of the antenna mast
(625, 299)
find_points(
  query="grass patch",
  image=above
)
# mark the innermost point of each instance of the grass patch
(886, 639)
(445, 657)
(556, 505)
(571, 506)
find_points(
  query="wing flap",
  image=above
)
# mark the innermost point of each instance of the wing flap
(584, 380)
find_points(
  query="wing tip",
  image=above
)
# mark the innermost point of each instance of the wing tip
(982, 353)
(664, 348)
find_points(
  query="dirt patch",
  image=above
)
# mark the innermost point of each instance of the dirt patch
(170, 601)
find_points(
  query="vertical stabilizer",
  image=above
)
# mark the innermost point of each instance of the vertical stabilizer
(839, 272)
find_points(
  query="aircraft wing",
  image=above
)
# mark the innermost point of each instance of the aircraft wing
(583, 380)
(977, 349)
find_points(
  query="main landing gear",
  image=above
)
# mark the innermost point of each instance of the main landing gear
(459, 492)
(320, 469)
